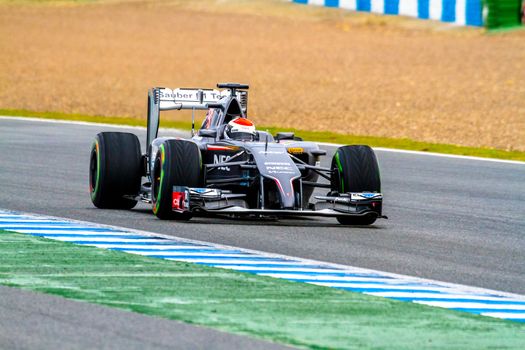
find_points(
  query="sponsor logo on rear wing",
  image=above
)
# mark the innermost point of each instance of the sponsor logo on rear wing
(190, 95)
(184, 98)
(187, 98)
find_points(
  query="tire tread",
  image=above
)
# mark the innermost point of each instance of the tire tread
(120, 170)
(360, 174)
(178, 152)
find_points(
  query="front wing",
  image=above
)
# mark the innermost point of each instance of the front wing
(214, 201)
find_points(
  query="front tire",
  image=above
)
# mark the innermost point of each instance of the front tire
(115, 170)
(355, 169)
(177, 163)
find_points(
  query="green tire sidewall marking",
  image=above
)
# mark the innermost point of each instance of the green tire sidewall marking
(159, 192)
(97, 184)
(340, 167)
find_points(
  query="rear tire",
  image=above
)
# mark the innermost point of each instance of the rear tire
(115, 170)
(355, 169)
(177, 163)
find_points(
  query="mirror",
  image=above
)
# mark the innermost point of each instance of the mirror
(208, 133)
(284, 136)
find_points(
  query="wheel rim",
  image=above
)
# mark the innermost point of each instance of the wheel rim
(156, 179)
(335, 180)
(93, 171)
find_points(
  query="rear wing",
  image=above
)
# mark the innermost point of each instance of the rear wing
(181, 98)
(165, 99)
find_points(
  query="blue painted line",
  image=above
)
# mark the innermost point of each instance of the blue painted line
(474, 13)
(331, 3)
(166, 241)
(291, 265)
(94, 242)
(361, 282)
(441, 293)
(481, 311)
(225, 257)
(364, 5)
(371, 290)
(94, 229)
(184, 258)
(182, 250)
(4, 222)
(391, 7)
(449, 11)
(423, 9)
(72, 235)
(153, 244)
(484, 301)
(307, 273)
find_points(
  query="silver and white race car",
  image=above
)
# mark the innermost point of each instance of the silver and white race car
(230, 168)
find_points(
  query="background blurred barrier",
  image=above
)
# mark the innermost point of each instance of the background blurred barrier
(497, 13)
(461, 12)
(503, 13)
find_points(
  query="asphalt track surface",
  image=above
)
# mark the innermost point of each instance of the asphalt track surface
(451, 219)
(39, 321)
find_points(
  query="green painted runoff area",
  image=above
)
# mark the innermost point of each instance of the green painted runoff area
(286, 312)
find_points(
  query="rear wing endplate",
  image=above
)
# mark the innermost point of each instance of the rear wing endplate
(165, 99)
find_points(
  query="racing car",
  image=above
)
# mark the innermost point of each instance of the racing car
(228, 167)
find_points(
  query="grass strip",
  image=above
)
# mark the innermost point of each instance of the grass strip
(286, 312)
(318, 136)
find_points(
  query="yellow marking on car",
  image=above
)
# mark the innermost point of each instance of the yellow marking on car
(296, 150)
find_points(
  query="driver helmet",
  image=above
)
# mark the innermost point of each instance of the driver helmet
(241, 129)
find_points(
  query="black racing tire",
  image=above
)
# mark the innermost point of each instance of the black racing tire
(115, 170)
(177, 163)
(355, 169)
(366, 220)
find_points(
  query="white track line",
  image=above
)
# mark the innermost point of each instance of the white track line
(382, 149)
